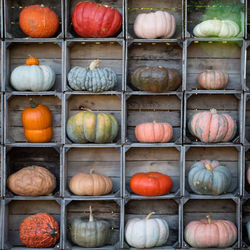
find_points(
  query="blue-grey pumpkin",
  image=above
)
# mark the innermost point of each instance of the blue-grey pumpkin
(248, 230)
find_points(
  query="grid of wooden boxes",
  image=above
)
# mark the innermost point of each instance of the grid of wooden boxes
(125, 156)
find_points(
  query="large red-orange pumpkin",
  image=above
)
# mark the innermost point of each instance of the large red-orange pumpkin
(93, 20)
(39, 231)
(209, 126)
(151, 184)
(38, 21)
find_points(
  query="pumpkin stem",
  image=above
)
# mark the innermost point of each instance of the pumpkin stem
(42, 5)
(91, 171)
(94, 64)
(84, 109)
(209, 220)
(209, 167)
(91, 218)
(149, 215)
(32, 103)
(53, 231)
(213, 111)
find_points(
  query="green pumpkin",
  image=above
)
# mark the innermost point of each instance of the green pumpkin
(155, 79)
(86, 127)
(92, 233)
(208, 177)
(92, 79)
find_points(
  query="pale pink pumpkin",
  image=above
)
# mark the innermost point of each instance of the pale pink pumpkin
(248, 175)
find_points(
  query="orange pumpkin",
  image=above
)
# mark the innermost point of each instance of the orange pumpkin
(32, 61)
(37, 123)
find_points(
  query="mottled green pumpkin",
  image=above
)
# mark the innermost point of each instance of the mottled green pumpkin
(208, 177)
(155, 79)
(86, 127)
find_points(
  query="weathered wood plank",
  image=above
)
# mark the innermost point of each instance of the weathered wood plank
(154, 5)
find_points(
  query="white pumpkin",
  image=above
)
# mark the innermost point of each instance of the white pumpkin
(146, 233)
(154, 25)
(217, 28)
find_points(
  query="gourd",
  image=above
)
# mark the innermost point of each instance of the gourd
(92, 233)
(93, 20)
(159, 24)
(151, 184)
(209, 177)
(155, 79)
(217, 28)
(32, 76)
(32, 181)
(208, 233)
(90, 184)
(39, 231)
(92, 79)
(212, 127)
(38, 21)
(154, 132)
(146, 233)
(248, 230)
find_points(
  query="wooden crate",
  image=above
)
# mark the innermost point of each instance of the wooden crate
(245, 219)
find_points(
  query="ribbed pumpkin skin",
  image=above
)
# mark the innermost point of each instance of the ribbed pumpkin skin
(155, 79)
(213, 79)
(39, 231)
(94, 20)
(208, 177)
(86, 127)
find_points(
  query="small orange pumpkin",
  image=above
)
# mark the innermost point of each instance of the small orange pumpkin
(32, 61)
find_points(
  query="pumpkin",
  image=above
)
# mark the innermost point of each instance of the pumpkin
(39, 231)
(32, 76)
(209, 177)
(38, 21)
(32, 181)
(248, 175)
(146, 233)
(92, 233)
(87, 126)
(216, 28)
(37, 123)
(155, 79)
(94, 20)
(159, 24)
(92, 79)
(208, 233)
(154, 132)
(90, 184)
(213, 79)
(248, 230)
(212, 127)
(151, 184)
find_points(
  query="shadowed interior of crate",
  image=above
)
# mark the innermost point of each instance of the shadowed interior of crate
(17, 211)
(141, 109)
(204, 56)
(227, 156)
(136, 7)
(105, 161)
(15, 106)
(14, 8)
(102, 210)
(247, 123)
(49, 54)
(245, 219)
(109, 54)
(168, 55)
(97, 103)
(247, 165)
(163, 160)
(247, 67)
(228, 104)
(18, 158)
(248, 18)
(164, 209)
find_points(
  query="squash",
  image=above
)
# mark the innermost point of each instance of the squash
(209, 177)
(32, 76)
(39, 231)
(208, 233)
(151, 184)
(92, 79)
(146, 233)
(38, 21)
(159, 24)
(248, 230)
(93, 20)
(212, 127)
(155, 79)
(32, 181)
(92, 233)
(154, 132)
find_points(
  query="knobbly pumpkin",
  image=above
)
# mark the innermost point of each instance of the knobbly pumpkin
(146, 233)
(208, 233)
(151, 184)
(91, 233)
(39, 231)
(93, 78)
(38, 21)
